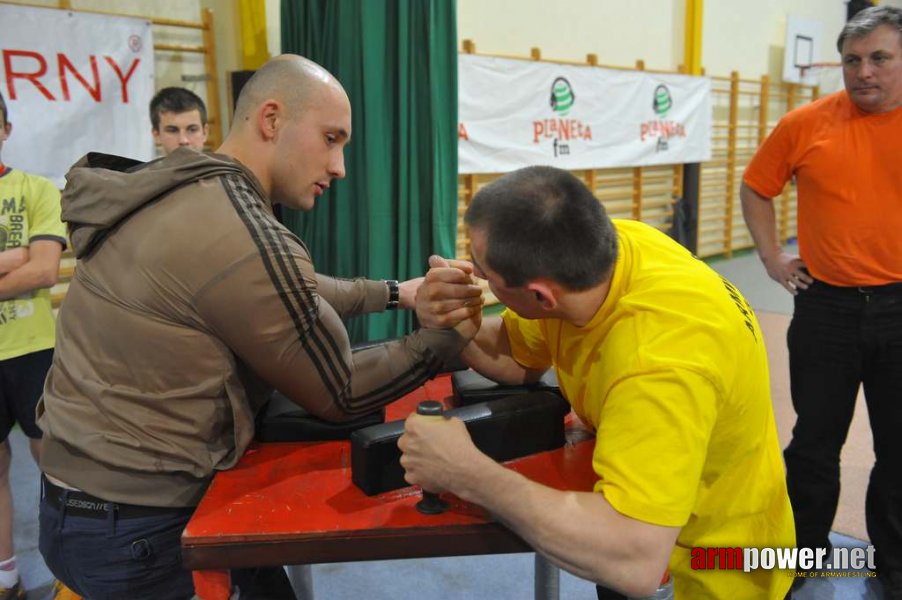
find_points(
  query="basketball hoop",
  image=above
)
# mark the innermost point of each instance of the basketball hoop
(811, 69)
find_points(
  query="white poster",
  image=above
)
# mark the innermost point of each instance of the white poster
(74, 83)
(516, 113)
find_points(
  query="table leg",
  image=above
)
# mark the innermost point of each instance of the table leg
(547, 579)
(212, 585)
(301, 578)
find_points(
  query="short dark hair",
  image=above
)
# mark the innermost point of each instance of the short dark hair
(3, 109)
(544, 222)
(869, 19)
(175, 100)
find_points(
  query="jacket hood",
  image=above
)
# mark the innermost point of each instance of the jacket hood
(102, 190)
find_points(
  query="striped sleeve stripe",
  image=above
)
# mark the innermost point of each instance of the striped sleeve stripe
(398, 386)
(300, 303)
(282, 269)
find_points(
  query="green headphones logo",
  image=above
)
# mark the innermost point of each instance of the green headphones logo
(562, 96)
(663, 101)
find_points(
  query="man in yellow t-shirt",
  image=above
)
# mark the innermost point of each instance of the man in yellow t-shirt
(32, 237)
(656, 352)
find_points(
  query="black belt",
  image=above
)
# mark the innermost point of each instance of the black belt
(80, 504)
(865, 290)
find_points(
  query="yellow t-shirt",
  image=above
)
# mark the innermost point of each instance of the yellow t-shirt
(29, 211)
(672, 372)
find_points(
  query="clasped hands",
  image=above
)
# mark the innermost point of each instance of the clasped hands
(449, 297)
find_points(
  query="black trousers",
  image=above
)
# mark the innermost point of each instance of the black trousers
(839, 339)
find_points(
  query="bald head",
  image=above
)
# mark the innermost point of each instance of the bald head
(289, 79)
(292, 122)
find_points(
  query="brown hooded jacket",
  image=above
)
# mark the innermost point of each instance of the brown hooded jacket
(189, 303)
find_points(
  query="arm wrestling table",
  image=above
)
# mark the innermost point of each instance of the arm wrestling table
(294, 504)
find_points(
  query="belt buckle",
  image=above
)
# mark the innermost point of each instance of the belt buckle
(867, 291)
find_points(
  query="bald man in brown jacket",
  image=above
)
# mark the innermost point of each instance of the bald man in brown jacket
(190, 303)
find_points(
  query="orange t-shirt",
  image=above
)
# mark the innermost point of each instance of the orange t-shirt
(848, 168)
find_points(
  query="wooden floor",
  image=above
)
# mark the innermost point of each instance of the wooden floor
(857, 456)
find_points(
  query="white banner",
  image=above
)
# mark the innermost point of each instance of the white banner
(516, 113)
(74, 83)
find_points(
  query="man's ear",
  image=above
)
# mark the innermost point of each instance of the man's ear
(546, 293)
(269, 119)
(7, 130)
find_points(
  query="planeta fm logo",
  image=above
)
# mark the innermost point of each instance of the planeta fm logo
(662, 101)
(660, 128)
(558, 130)
(562, 96)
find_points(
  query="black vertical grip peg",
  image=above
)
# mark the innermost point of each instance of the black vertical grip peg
(431, 504)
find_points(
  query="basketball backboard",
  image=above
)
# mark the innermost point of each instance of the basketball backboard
(804, 37)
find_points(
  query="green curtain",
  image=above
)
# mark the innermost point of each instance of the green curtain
(397, 59)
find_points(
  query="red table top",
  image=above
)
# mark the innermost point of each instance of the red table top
(294, 503)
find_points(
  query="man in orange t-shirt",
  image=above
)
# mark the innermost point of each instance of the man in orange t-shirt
(845, 152)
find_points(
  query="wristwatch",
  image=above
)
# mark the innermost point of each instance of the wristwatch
(394, 294)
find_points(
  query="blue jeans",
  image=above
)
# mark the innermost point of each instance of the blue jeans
(839, 339)
(111, 558)
(116, 559)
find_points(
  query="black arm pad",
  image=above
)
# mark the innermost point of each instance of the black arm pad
(469, 387)
(281, 420)
(503, 429)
